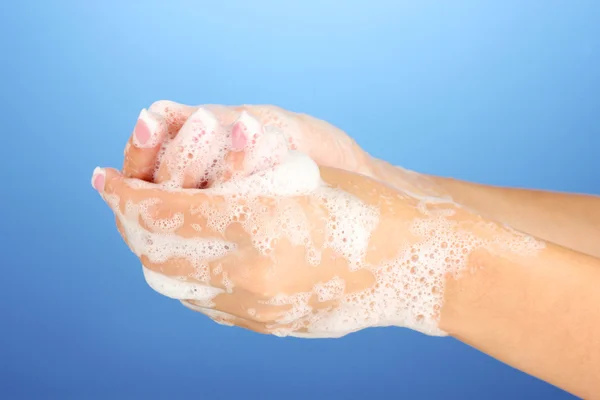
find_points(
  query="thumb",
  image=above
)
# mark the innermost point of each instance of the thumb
(120, 192)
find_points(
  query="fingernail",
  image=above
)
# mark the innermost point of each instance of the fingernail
(205, 118)
(201, 126)
(145, 131)
(243, 129)
(238, 136)
(99, 179)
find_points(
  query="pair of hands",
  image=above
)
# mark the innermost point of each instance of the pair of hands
(279, 223)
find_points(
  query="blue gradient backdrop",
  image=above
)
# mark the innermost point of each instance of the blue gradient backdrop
(503, 92)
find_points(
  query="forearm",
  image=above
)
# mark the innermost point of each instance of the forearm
(570, 220)
(540, 314)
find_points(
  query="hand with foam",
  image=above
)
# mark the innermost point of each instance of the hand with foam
(277, 244)
(323, 142)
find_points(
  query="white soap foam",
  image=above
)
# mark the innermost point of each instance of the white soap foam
(196, 153)
(296, 175)
(179, 289)
(409, 289)
(163, 244)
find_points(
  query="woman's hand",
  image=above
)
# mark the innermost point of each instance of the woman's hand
(310, 264)
(323, 142)
(277, 245)
(327, 145)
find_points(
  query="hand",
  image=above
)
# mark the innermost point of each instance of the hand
(323, 142)
(342, 258)
(274, 249)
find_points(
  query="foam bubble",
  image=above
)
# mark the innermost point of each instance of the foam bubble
(163, 244)
(180, 289)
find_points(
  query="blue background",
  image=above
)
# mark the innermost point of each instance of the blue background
(503, 92)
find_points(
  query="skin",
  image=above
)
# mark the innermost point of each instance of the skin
(264, 276)
(537, 313)
(323, 142)
(570, 220)
(566, 219)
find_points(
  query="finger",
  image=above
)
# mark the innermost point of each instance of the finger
(215, 315)
(174, 288)
(150, 205)
(144, 145)
(154, 129)
(111, 183)
(226, 115)
(326, 144)
(196, 155)
(196, 264)
(252, 147)
(161, 229)
(200, 155)
(174, 114)
(170, 226)
(264, 147)
(243, 304)
(224, 318)
(187, 213)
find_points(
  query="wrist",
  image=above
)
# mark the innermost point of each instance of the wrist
(534, 311)
(405, 179)
(496, 280)
(439, 242)
(458, 245)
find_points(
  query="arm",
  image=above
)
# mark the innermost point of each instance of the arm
(533, 313)
(571, 220)
(538, 314)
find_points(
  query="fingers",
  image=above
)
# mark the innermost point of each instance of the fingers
(171, 256)
(155, 127)
(144, 145)
(176, 288)
(226, 319)
(196, 224)
(174, 114)
(125, 195)
(226, 115)
(109, 181)
(165, 230)
(205, 152)
(195, 156)
(264, 148)
(198, 298)
(155, 149)
(326, 144)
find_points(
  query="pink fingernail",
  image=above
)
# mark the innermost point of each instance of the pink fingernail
(145, 128)
(99, 179)
(238, 137)
(245, 128)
